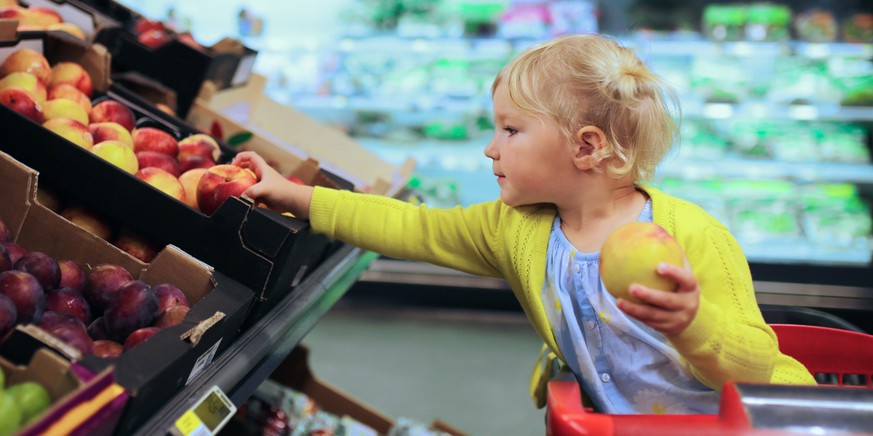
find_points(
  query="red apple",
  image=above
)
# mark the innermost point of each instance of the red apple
(111, 110)
(189, 180)
(72, 73)
(149, 159)
(41, 16)
(154, 38)
(139, 336)
(72, 275)
(169, 296)
(172, 316)
(24, 290)
(106, 349)
(136, 245)
(42, 266)
(8, 315)
(200, 144)
(22, 102)
(221, 182)
(144, 24)
(70, 302)
(28, 82)
(101, 285)
(154, 139)
(110, 131)
(192, 161)
(163, 181)
(71, 130)
(69, 92)
(133, 307)
(29, 61)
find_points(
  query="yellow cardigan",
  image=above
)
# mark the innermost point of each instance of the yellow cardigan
(727, 340)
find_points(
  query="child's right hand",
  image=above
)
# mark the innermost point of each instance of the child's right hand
(273, 189)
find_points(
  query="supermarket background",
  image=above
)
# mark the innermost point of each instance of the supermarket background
(778, 110)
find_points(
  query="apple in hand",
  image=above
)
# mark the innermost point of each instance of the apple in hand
(72, 73)
(111, 110)
(149, 159)
(189, 180)
(221, 182)
(154, 139)
(631, 254)
(200, 144)
(163, 181)
(70, 92)
(118, 154)
(72, 130)
(110, 131)
(27, 82)
(29, 61)
(23, 102)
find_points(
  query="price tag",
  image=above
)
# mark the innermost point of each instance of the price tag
(207, 417)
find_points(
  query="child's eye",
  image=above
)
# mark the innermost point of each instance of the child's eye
(510, 130)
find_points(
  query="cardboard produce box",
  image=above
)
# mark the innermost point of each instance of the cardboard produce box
(246, 118)
(82, 403)
(261, 249)
(180, 65)
(153, 371)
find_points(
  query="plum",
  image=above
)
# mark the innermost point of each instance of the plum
(135, 306)
(101, 283)
(72, 275)
(25, 291)
(139, 336)
(42, 266)
(69, 301)
(107, 349)
(51, 320)
(97, 329)
(15, 251)
(75, 335)
(8, 314)
(168, 296)
(5, 262)
(172, 316)
(5, 232)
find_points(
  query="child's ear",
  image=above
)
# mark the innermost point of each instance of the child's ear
(585, 142)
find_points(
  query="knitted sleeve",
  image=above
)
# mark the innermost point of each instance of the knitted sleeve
(458, 238)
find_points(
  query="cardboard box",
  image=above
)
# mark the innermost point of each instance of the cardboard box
(262, 249)
(246, 117)
(153, 371)
(83, 403)
(183, 68)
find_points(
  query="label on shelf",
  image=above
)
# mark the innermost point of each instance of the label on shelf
(207, 417)
(202, 362)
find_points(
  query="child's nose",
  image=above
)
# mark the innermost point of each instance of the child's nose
(491, 150)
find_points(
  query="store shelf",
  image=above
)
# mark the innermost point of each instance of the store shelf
(260, 349)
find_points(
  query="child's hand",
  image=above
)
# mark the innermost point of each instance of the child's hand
(273, 189)
(667, 312)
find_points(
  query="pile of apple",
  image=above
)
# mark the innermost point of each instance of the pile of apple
(59, 98)
(38, 18)
(102, 310)
(154, 33)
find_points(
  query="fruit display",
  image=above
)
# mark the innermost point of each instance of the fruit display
(632, 253)
(82, 304)
(39, 18)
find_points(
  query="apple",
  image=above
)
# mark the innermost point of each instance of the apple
(14, 12)
(64, 108)
(8, 316)
(165, 108)
(29, 61)
(72, 130)
(24, 290)
(162, 181)
(41, 16)
(14, 251)
(118, 154)
(110, 131)
(69, 28)
(48, 198)
(106, 349)
(89, 220)
(70, 302)
(72, 275)
(42, 266)
(189, 180)
(154, 38)
(221, 182)
(74, 74)
(631, 254)
(5, 232)
(70, 92)
(111, 110)
(139, 336)
(200, 144)
(102, 283)
(191, 161)
(169, 296)
(27, 82)
(136, 245)
(149, 159)
(23, 102)
(133, 307)
(172, 316)
(154, 139)
(144, 24)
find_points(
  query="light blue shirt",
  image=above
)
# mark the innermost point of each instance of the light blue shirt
(622, 364)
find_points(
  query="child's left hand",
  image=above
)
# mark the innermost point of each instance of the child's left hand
(667, 312)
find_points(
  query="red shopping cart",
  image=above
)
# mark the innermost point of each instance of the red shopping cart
(841, 360)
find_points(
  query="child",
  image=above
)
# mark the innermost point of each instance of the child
(580, 124)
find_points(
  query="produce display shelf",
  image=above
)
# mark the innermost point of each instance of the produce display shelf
(260, 349)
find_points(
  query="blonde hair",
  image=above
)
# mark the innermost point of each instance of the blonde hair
(591, 80)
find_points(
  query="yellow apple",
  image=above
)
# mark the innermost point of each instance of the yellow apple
(189, 180)
(29, 61)
(73, 74)
(64, 90)
(64, 108)
(118, 154)
(72, 130)
(27, 82)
